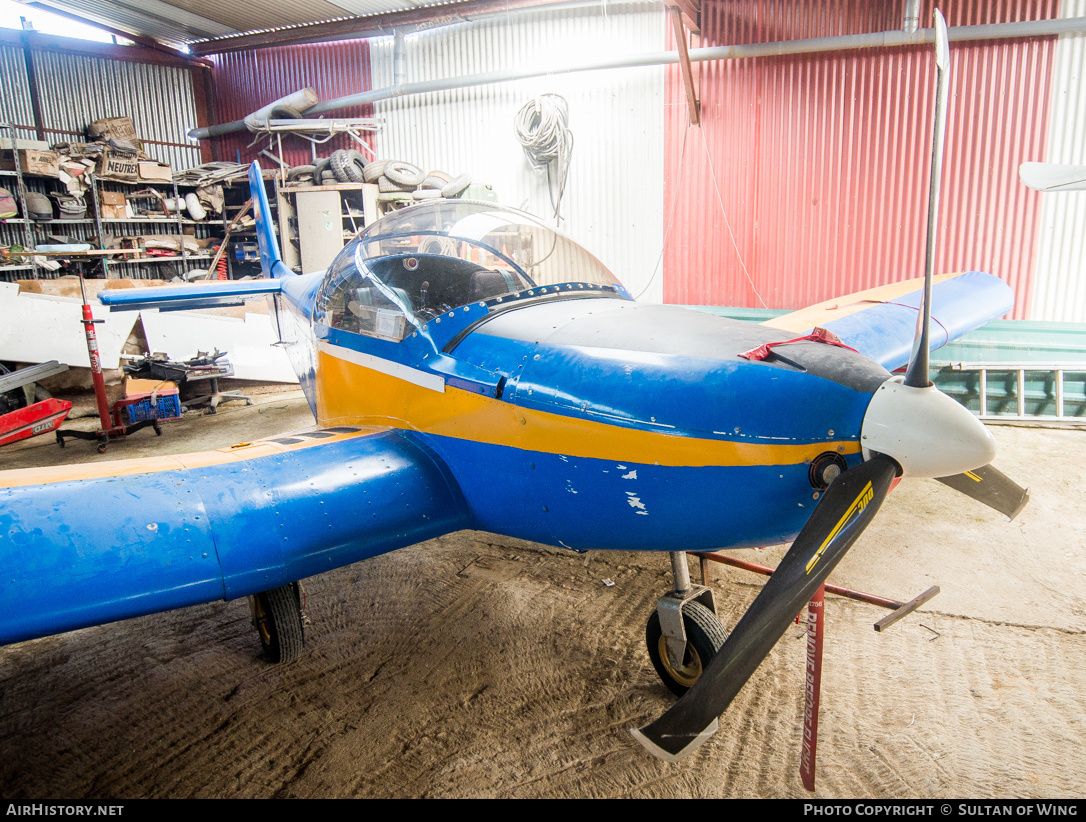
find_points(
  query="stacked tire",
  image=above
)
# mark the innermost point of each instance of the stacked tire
(397, 180)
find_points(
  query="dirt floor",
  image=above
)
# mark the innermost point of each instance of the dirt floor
(479, 666)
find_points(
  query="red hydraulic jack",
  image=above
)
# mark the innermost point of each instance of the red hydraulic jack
(816, 624)
(112, 426)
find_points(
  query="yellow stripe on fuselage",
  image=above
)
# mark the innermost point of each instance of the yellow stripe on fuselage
(351, 394)
(20, 477)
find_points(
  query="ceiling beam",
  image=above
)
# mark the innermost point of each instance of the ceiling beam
(138, 39)
(70, 45)
(691, 13)
(359, 27)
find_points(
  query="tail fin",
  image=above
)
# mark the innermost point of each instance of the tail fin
(270, 261)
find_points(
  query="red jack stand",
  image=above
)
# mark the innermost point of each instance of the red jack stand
(111, 422)
(816, 624)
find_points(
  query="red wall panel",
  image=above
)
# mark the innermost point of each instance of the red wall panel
(808, 176)
(246, 81)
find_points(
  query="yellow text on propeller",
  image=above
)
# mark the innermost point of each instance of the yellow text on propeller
(858, 505)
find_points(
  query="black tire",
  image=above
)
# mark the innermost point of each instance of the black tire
(704, 637)
(348, 166)
(319, 167)
(277, 617)
(298, 172)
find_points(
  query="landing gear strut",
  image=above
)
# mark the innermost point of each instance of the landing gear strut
(683, 633)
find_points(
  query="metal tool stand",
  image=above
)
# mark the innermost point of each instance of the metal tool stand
(216, 396)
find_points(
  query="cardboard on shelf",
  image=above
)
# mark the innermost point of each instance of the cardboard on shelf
(119, 128)
(32, 161)
(155, 172)
(113, 204)
(22, 142)
(121, 167)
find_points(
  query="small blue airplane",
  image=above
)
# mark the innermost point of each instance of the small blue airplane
(470, 367)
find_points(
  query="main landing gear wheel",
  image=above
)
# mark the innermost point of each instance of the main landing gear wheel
(277, 617)
(704, 637)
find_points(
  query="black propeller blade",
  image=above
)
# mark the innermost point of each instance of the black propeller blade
(917, 374)
(845, 510)
(992, 487)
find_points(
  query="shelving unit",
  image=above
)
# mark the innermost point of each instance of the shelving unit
(175, 223)
(7, 135)
(28, 233)
(313, 220)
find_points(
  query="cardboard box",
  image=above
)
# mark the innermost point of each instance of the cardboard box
(134, 387)
(113, 204)
(119, 128)
(32, 161)
(154, 171)
(121, 167)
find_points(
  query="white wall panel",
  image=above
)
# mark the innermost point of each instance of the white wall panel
(1060, 279)
(613, 201)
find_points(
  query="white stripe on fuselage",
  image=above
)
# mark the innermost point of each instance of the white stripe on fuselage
(392, 369)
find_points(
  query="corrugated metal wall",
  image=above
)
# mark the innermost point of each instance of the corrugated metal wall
(247, 81)
(820, 162)
(15, 106)
(612, 201)
(1060, 290)
(75, 89)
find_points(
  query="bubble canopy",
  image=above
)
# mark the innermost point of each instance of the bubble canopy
(422, 261)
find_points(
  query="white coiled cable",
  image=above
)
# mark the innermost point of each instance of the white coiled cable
(542, 128)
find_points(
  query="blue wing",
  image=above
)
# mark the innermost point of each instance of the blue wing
(880, 323)
(89, 544)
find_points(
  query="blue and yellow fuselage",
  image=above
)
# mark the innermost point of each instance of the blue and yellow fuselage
(586, 420)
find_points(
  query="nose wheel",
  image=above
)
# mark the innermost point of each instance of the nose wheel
(683, 633)
(704, 637)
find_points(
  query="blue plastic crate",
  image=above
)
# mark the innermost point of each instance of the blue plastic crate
(167, 407)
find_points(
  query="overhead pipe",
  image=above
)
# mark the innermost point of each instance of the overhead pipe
(399, 59)
(299, 101)
(847, 42)
(911, 18)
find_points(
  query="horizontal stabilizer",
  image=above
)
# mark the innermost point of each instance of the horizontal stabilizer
(214, 294)
(1053, 177)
